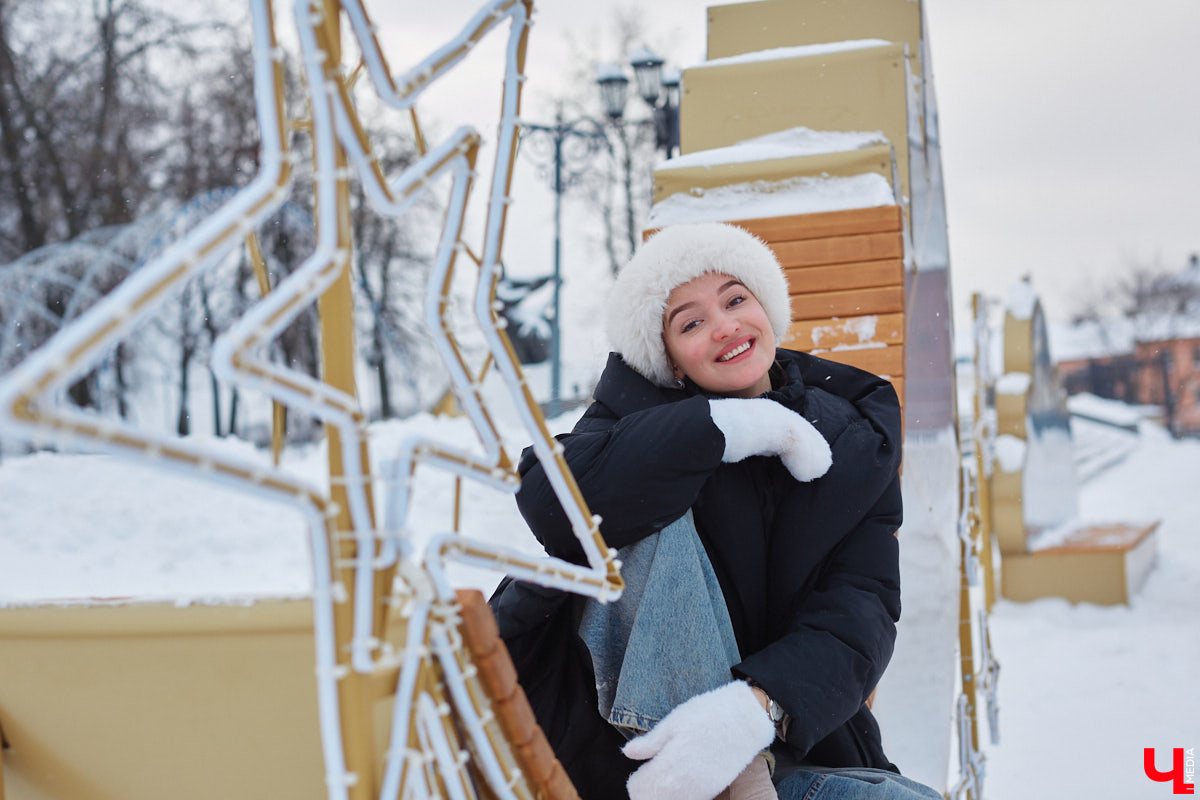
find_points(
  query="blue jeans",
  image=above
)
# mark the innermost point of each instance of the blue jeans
(670, 621)
(669, 638)
(856, 783)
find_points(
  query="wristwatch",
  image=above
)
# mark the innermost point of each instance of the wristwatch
(778, 716)
(775, 711)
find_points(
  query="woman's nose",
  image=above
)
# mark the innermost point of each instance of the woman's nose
(726, 326)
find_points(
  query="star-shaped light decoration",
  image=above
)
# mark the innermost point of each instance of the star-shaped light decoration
(446, 733)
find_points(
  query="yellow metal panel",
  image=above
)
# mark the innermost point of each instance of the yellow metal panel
(740, 28)
(151, 701)
(748, 27)
(1008, 517)
(1080, 578)
(670, 180)
(1018, 344)
(1010, 414)
(852, 90)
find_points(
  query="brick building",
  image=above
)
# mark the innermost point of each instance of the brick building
(1152, 358)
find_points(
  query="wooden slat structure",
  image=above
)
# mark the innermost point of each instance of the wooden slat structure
(845, 273)
(542, 769)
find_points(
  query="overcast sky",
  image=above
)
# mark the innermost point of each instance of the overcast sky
(1070, 128)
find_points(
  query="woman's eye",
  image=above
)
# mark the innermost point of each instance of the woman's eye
(737, 299)
(687, 326)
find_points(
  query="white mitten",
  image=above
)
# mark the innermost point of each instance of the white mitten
(762, 427)
(701, 746)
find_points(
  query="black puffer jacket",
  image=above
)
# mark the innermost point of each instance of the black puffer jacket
(809, 571)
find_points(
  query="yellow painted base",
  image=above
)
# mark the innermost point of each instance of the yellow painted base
(152, 701)
(1102, 564)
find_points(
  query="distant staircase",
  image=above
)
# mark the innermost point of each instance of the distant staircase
(1096, 446)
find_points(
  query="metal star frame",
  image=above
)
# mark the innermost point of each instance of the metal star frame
(444, 735)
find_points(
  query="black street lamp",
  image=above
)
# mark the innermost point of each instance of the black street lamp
(654, 84)
(659, 88)
(565, 149)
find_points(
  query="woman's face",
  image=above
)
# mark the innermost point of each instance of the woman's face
(718, 334)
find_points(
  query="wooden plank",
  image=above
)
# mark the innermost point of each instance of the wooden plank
(798, 227)
(852, 275)
(498, 677)
(853, 303)
(827, 333)
(839, 249)
(886, 361)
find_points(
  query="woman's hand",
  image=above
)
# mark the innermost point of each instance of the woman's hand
(762, 427)
(701, 746)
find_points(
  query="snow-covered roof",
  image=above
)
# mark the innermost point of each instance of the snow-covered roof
(758, 199)
(1090, 339)
(790, 143)
(1118, 336)
(793, 52)
(1165, 327)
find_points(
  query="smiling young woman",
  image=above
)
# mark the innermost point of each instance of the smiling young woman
(753, 493)
(717, 333)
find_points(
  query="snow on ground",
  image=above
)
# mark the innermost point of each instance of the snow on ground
(1082, 688)
(75, 527)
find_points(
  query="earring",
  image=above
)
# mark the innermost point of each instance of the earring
(679, 383)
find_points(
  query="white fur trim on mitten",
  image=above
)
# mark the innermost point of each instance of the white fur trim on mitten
(762, 427)
(701, 746)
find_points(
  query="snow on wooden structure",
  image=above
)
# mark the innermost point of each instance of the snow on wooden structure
(1046, 549)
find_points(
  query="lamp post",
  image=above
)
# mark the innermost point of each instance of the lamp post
(565, 149)
(659, 88)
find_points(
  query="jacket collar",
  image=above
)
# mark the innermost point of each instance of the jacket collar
(623, 390)
(787, 383)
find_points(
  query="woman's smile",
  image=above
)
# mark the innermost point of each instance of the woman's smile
(717, 334)
(736, 351)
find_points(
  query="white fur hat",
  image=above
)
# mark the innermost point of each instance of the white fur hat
(674, 256)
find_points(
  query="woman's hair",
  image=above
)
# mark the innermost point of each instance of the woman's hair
(672, 257)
